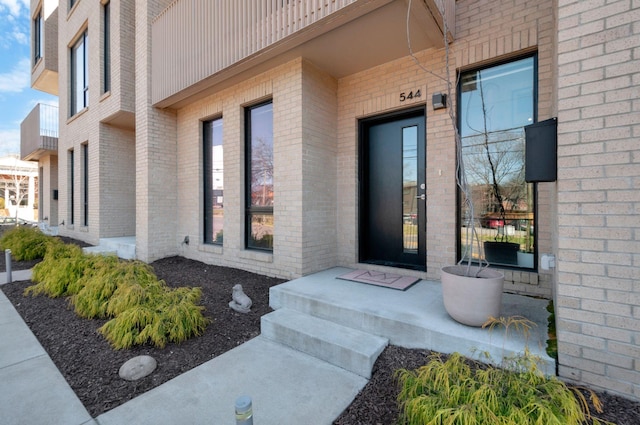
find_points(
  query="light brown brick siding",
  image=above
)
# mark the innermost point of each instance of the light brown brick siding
(598, 271)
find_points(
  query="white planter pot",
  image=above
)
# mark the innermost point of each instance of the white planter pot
(472, 300)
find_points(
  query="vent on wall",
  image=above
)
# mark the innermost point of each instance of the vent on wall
(541, 150)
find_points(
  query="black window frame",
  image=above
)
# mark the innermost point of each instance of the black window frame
(85, 184)
(207, 168)
(106, 47)
(251, 210)
(72, 188)
(38, 29)
(77, 105)
(459, 116)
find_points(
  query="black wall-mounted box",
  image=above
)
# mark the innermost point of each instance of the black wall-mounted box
(541, 152)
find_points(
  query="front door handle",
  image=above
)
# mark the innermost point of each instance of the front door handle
(423, 197)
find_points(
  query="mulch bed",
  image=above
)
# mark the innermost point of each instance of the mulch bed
(91, 366)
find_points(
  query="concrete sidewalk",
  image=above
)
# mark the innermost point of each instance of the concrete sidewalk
(286, 386)
(32, 390)
(16, 276)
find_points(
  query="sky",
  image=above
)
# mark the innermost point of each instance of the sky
(17, 98)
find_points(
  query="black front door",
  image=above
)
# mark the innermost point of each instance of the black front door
(392, 190)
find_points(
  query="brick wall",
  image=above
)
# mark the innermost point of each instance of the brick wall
(304, 178)
(105, 126)
(315, 128)
(319, 175)
(598, 294)
(156, 151)
(486, 32)
(117, 176)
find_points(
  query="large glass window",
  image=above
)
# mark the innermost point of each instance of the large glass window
(495, 103)
(38, 27)
(79, 75)
(259, 178)
(213, 154)
(106, 48)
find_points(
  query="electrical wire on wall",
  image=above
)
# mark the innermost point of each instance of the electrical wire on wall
(461, 177)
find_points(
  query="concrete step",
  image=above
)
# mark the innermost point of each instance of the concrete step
(401, 327)
(99, 250)
(124, 247)
(415, 318)
(339, 345)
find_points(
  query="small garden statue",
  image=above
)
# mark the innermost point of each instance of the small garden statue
(240, 302)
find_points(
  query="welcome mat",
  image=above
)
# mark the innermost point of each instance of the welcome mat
(388, 280)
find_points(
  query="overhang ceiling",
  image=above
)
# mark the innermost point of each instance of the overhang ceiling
(372, 39)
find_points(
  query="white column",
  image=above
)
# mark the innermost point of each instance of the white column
(31, 197)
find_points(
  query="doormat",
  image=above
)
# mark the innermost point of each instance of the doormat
(387, 280)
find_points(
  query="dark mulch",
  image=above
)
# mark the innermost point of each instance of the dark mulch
(376, 403)
(91, 366)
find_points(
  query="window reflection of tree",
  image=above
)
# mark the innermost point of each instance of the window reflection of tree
(261, 173)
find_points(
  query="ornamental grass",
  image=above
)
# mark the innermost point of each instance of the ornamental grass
(142, 309)
(25, 243)
(458, 391)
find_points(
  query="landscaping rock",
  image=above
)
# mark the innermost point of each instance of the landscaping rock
(137, 368)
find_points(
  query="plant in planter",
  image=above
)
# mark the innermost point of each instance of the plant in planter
(494, 103)
(472, 292)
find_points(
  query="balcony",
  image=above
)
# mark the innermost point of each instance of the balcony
(200, 47)
(44, 46)
(39, 133)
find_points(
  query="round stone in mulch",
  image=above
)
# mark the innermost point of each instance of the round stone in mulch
(137, 368)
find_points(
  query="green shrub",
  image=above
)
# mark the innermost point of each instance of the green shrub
(141, 307)
(183, 316)
(137, 285)
(57, 275)
(25, 243)
(452, 392)
(92, 291)
(169, 315)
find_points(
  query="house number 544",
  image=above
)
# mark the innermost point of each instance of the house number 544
(412, 94)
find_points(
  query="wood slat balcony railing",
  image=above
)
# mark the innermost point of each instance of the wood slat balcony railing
(193, 40)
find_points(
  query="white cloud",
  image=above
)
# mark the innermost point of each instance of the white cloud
(14, 23)
(18, 78)
(19, 35)
(9, 141)
(14, 6)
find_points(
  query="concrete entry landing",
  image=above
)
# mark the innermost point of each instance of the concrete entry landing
(124, 247)
(415, 318)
